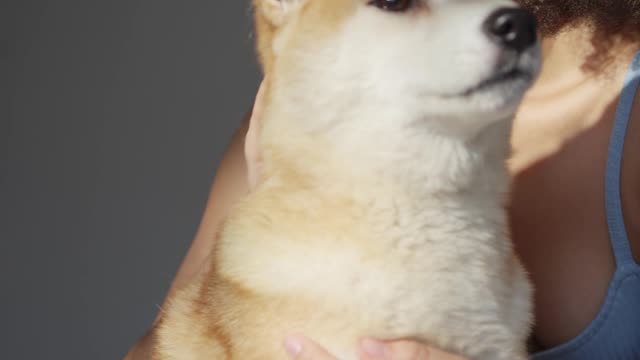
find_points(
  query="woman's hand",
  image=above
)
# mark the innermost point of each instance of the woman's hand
(301, 348)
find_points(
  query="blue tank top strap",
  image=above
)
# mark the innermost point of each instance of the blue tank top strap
(615, 220)
(615, 331)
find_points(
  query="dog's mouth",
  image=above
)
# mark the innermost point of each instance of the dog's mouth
(498, 79)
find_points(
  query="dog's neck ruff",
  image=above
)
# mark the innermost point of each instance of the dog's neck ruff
(414, 161)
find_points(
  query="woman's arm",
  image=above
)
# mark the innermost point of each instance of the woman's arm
(229, 185)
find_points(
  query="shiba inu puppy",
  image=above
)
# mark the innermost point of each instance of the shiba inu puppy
(380, 206)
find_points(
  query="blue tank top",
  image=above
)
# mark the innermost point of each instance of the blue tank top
(614, 334)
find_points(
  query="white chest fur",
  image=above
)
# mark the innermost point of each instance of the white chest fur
(436, 269)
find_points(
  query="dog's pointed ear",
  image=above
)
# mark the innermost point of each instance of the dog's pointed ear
(277, 11)
(271, 16)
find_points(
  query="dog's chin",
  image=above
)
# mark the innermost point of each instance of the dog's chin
(499, 92)
(505, 82)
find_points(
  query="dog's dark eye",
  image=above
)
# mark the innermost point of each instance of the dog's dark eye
(392, 5)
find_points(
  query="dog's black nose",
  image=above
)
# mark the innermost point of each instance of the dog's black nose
(512, 28)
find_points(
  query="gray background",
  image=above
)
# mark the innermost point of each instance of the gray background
(113, 116)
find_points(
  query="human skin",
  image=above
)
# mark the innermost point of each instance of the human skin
(560, 140)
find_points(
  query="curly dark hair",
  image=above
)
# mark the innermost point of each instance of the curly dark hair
(612, 21)
(611, 17)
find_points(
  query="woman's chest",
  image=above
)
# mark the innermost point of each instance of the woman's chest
(559, 221)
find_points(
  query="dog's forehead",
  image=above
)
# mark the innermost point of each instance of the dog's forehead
(337, 10)
(331, 10)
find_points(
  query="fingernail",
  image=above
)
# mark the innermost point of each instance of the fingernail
(375, 349)
(293, 345)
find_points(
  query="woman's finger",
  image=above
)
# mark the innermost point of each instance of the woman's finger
(371, 349)
(300, 348)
